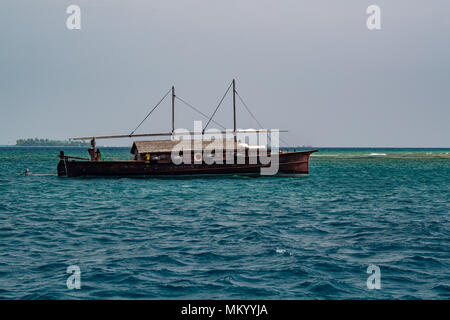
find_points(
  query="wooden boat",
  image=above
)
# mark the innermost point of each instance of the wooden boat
(199, 156)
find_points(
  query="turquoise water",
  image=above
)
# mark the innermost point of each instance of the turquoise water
(233, 237)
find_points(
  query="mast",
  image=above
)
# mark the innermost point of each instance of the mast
(172, 133)
(234, 105)
(173, 109)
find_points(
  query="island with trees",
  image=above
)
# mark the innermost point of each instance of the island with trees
(35, 142)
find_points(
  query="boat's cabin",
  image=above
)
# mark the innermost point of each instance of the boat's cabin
(160, 151)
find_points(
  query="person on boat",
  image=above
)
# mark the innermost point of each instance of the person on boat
(92, 154)
(98, 155)
(91, 150)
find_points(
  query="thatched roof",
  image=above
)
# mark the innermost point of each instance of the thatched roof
(157, 146)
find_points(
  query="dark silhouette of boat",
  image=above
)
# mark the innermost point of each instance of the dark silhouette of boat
(200, 154)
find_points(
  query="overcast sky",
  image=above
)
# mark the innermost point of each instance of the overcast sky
(311, 67)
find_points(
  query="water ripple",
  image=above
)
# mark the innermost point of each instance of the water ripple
(229, 237)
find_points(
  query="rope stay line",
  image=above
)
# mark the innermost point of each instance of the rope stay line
(248, 109)
(210, 119)
(195, 109)
(253, 116)
(217, 107)
(154, 108)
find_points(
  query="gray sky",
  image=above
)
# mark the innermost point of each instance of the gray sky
(311, 67)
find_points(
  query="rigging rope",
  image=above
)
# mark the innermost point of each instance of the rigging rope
(195, 109)
(248, 109)
(253, 116)
(210, 118)
(151, 111)
(218, 106)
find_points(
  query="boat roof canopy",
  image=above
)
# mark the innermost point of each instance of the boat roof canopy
(163, 146)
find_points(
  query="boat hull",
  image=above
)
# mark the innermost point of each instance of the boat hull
(291, 163)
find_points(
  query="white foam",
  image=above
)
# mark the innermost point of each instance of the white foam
(377, 154)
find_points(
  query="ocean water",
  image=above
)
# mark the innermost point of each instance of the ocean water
(229, 237)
